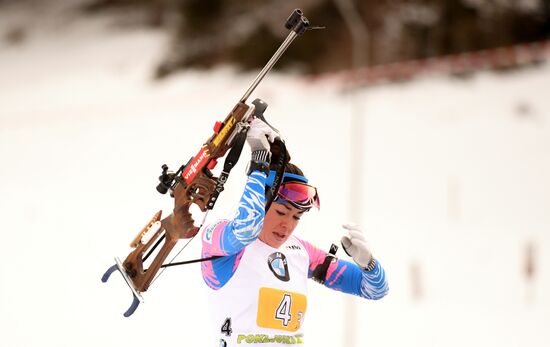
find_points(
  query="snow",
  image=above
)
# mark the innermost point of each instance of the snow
(456, 185)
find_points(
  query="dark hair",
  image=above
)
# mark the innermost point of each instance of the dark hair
(289, 167)
(293, 169)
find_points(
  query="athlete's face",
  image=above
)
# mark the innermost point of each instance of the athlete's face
(279, 223)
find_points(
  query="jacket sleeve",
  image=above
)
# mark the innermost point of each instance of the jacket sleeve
(230, 237)
(348, 277)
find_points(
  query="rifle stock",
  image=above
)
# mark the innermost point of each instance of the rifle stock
(194, 186)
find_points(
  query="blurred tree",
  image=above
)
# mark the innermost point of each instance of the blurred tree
(246, 32)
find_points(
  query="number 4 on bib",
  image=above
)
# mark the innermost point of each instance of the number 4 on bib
(283, 311)
(226, 327)
(280, 309)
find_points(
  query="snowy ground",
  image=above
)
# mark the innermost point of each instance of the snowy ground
(456, 185)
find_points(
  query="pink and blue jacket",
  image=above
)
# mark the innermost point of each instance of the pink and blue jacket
(229, 239)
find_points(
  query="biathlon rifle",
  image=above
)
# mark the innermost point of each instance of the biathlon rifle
(194, 183)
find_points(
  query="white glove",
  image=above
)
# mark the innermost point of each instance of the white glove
(260, 135)
(355, 245)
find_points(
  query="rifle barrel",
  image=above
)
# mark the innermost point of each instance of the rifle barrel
(282, 48)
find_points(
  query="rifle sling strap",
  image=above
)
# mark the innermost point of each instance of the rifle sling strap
(230, 162)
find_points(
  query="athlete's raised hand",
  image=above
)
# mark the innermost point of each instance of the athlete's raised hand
(356, 247)
(260, 135)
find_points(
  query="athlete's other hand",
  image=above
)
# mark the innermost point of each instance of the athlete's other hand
(355, 245)
(260, 135)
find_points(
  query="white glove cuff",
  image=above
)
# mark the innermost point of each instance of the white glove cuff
(262, 156)
(371, 266)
